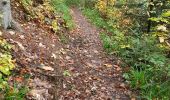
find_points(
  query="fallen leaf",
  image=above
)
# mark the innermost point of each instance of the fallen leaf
(68, 57)
(161, 39)
(116, 66)
(21, 37)
(62, 51)
(122, 85)
(54, 56)
(23, 71)
(42, 45)
(47, 68)
(70, 62)
(0, 33)
(21, 46)
(108, 65)
(133, 99)
(11, 32)
(19, 79)
(66, 73)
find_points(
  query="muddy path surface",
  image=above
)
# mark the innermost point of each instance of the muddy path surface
(78, 70)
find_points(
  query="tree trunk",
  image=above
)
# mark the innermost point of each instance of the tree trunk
(7, 20)
(5, 9)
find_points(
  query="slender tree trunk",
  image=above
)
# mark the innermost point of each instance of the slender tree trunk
(150, 15)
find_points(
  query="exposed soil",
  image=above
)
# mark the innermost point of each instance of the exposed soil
(79, 70)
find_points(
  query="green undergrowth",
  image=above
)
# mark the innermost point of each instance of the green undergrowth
(62, 8)
(7, 64)
(81, 3)
(144, 56)
(72, 2)
(95, 18)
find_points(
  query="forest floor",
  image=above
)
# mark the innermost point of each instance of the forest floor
(78, 70)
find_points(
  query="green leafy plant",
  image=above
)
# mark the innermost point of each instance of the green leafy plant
(7, 64)
(15, 93)
(66, 73)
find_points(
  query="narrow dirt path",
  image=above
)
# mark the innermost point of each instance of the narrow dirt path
(92, 75)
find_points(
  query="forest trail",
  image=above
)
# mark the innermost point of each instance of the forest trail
(79, 70)
(93, 76)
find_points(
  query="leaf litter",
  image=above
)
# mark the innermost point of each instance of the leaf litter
(79, 70)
